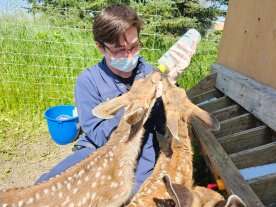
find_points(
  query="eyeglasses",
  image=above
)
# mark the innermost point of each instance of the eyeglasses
(123, 51)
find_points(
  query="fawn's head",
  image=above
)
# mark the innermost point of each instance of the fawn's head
(179, 109)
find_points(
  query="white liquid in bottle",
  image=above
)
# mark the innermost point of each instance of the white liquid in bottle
(178, 57)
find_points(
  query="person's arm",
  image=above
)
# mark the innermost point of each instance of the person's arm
(86, 98)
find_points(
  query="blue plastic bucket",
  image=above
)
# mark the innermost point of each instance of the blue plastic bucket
(62, 123)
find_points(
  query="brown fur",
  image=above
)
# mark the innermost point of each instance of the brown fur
(105, 178)
(179, 167)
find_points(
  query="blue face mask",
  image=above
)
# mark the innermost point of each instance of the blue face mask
(125, 64)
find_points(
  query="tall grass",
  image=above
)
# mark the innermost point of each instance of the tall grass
(40, 60)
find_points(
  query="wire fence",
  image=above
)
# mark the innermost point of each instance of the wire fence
(42, 53)
(41, 56)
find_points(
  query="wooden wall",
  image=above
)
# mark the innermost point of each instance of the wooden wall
(248, 45)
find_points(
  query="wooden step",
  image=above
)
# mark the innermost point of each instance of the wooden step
(247, 139)
(217, 104)
(228, 112)
(203, 97)
(237, 124)
(206, 84)
(260, 155)
(265, 188)
(222, 165)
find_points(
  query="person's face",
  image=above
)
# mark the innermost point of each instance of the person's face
(129, 45)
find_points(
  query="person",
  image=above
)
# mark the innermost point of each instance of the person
(116, 33)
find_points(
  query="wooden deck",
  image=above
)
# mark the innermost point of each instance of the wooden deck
(243, 141)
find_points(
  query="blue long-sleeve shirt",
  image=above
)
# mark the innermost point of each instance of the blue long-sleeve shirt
(98, 84)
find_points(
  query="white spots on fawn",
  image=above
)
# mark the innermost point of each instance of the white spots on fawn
(60, 195)
(104, 164)
(67, 200)
(102, 180)
(83, 201)
(122, 194)
(120, 173)
(109, 177)
(68, 186)
(149, 191)
(53, 188)
(30, 201)
(97, 174)
(90, 165)
(46, 191)
(178, 177)
(115, 197)
(20, 203)
(110, 153)
(86, 178)
(59, 186)
(179, 168)
(93, 195)
(81, 173)
(75, 190)
(114, 185)
(79, 182)
(87, 195)
(71, 205)
(79, 203)
(37, 196)
(69, 178)
(93, 184)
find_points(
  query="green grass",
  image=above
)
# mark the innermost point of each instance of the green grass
(39, 63)
(200, 65)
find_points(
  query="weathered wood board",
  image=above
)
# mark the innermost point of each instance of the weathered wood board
(258, 99)
(243, 141)
(248, 44)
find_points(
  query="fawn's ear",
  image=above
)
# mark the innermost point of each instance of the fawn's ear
(135, 115)
(108, 109)
(172, 123)
(179, 193)
(209, 120)
(234, 201)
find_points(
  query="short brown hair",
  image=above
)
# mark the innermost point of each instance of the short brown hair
(113, 22)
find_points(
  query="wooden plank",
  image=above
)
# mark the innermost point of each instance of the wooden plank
(228, 112)
(255, 156)
(258, 99)
(246, 139)
(222, 165)
(248, 39)
(237, 124)
(213, 93)
(206, 84)
(265, 188)
(216, 104)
